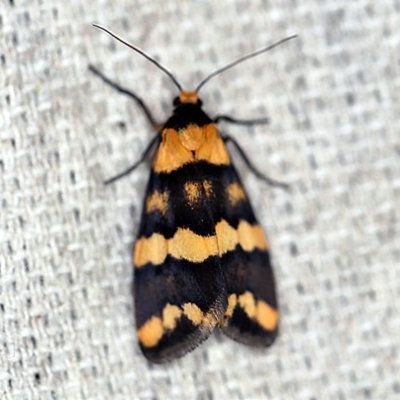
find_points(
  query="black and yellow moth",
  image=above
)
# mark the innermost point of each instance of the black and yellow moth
(201, 260)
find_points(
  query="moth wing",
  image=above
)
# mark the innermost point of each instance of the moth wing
(179, 285)
(252, 313)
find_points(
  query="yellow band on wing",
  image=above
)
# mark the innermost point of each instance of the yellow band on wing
(151, 332)
(257, 310)
(192, 247)
(185, 244)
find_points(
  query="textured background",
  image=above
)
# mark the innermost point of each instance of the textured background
(66, 312)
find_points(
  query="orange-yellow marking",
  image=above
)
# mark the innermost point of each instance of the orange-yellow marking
(171, 314)
(266, 316)
(171, 154)
(232, 301)
(153, 249)
(258, 311)
(248, 303)
(227, 237)
(188, 145)
(251, 236)
(193, 312)
(157, 201)
(235, 193)
(247, 236)
(187, 245)
(193, 192)
(207, 185)
(151, 332)
(192, 247)
(192, 137)
(213, 149)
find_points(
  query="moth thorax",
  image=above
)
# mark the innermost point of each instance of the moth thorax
(192, 137)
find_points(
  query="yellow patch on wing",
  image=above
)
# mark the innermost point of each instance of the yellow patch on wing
(227, 237)
(171, 315)
(193, 192)
(207, 185)
(193, 312)
(192, 247)
(267, 316)
(257, 310)
(213, 149)
(188, 145)
(232, 302)
(153, 249)
(248, 236)
(251, 236)
(157, 201)
(192, 137)
(235, 193)
(248, 303)
(152, 331)
(171, 154)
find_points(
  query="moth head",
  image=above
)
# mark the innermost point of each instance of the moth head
(187, 98)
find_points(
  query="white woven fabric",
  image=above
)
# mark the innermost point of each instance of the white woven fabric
(66, 309)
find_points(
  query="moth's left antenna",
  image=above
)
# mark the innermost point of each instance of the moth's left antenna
(143, 53)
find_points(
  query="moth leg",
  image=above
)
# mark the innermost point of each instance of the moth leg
(255, 171)
(130, 94)
(146, 111)
(248, 122)
(137, 163)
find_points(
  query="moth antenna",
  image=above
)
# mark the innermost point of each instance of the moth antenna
(143, 53)
(240, 60)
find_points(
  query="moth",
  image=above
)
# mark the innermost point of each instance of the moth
(201, 259)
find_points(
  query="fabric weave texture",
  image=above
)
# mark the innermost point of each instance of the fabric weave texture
(67, 329)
